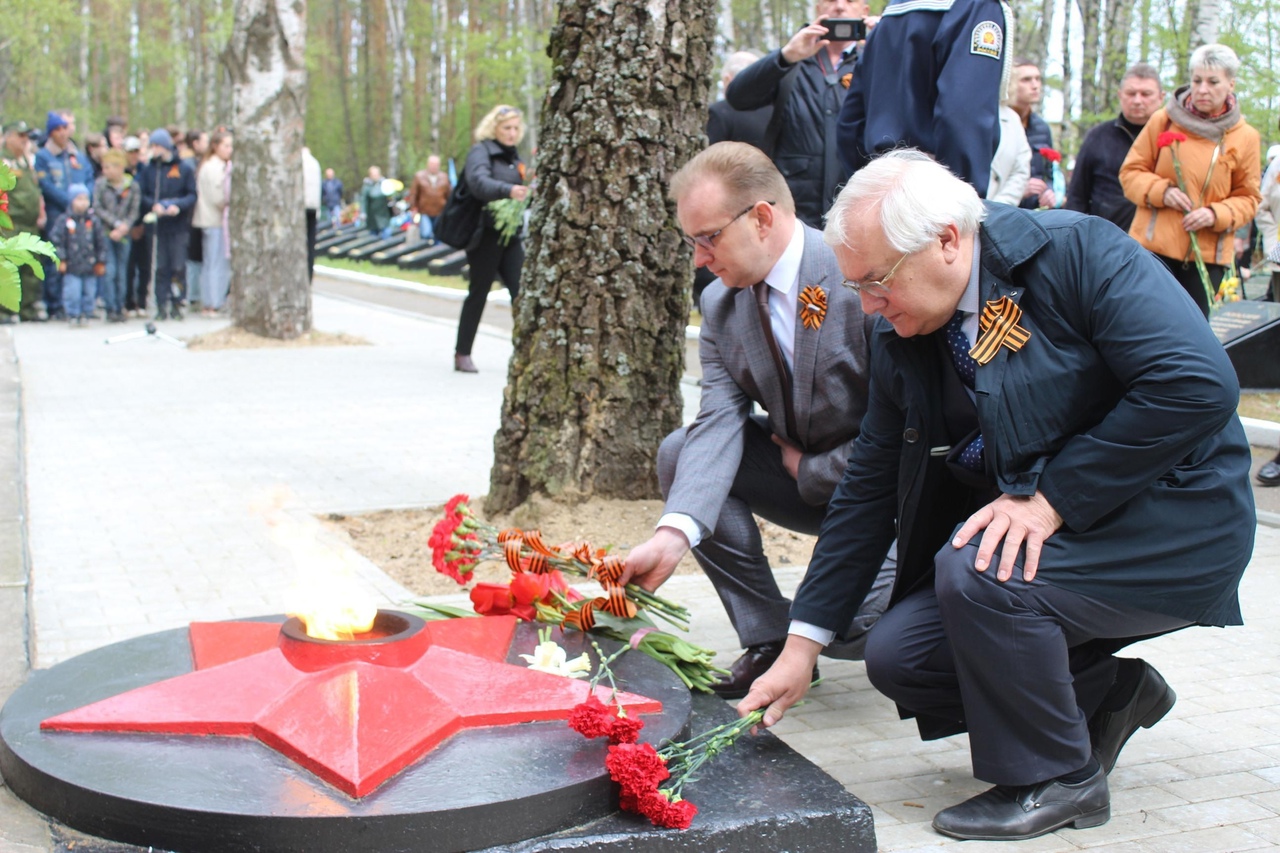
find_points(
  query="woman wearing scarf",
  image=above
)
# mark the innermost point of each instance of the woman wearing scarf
(1220, 169)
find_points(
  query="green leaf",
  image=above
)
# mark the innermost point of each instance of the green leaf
(10, 286)
(5, 222)
(8, 180)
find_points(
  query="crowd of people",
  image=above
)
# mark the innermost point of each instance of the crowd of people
(138, 218)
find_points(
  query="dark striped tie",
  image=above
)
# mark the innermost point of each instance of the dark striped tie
(958, 345)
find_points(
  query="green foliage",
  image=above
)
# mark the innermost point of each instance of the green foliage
(20, 250)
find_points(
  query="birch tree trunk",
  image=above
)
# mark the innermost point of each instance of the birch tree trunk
(1090, 102)
(1115, 59)
(86, 14)
(1206, 24)
(178, 44)
(395, 35)
(594, 383)
(269, 288)
(1066, 136)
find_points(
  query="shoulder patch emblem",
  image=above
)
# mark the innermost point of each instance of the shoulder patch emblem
(987, 40)
(846, 79)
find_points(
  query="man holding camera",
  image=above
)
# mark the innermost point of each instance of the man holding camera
(806, 81)
(930, 79)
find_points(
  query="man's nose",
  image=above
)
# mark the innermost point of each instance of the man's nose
(702, 255)
(870, 304)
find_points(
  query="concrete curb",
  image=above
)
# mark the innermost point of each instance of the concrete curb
(1262, 433)
(499, 297)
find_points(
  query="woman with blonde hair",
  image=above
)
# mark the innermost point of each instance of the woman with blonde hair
(1219, 157)
(493, 171)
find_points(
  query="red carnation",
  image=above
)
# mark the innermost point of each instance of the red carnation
(637, 767)
(1169, 137)
(591, 718)
(625, 729)
(491, 599)
(454, 502)
(1051, 154)
(664, 813)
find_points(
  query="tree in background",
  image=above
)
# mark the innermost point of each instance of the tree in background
(594, 382)
(269, 286)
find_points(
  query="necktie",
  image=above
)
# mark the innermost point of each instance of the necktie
(766, 326)
(971, 458)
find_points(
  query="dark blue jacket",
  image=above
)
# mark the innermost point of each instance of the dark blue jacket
(1038, 136)
(56, 173)
(1095, 181)
(805, 151)
(929, 78)
(331, 192)
(168, 183)
(1120, 409)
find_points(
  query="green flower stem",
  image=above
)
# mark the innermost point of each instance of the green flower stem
(1195, 243)
(685, 759)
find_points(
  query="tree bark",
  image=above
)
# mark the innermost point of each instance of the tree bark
(265, 59)
(594, 383)
(1090, 102)
(395, 36)
(1115, 60)
(1206, 24)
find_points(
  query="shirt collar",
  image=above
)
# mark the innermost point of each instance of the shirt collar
(969, 301)
(786, 271)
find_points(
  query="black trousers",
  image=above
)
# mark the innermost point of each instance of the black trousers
(488, 261)
(311, 243)
(1009, 662)
(139, 271)
(171, 266)
(1189, 277)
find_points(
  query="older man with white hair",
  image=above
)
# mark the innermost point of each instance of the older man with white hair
(1046, 413)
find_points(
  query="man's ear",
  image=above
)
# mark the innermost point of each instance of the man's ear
(950, 240)
(765, 216)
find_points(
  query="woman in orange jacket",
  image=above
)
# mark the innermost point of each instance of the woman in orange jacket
(1220, 162)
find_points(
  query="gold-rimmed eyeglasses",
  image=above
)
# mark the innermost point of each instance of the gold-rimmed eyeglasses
(875, 288)
(708, 241)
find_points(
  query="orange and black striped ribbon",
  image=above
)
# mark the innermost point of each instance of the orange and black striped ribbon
(998, 326)
(616, 603)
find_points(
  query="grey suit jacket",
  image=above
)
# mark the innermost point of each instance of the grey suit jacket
(830, 368)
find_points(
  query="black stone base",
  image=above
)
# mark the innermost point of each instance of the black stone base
(760, 797)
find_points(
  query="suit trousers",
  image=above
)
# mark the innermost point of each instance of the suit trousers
(733, 555)
(1011, 663)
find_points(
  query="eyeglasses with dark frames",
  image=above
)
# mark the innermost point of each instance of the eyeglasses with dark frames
(875, 288)
(708, 241)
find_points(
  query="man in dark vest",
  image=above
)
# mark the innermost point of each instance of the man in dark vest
(1046, 411)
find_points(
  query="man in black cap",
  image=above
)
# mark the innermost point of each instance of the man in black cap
(26, 209)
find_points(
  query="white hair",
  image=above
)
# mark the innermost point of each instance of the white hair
(914, 196)
(1215, 56)
(737, 62)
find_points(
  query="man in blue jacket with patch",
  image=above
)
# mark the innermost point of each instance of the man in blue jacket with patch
(59, 166)
(930, 76)
(1047, 411)
(168, 187)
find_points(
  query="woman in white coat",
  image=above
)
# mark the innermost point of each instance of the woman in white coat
(213, 189)
(1011, 166)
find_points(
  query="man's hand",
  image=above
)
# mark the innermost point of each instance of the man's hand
(791, 456)
(1048, 199)
(1201, 217)
(1018, 521)
(806, 43)
(786, 682)
(157, 209)
(650, 563)
(117, 233)
(172, 210)
(1035, 187)
(519, 192)
(1177, 199)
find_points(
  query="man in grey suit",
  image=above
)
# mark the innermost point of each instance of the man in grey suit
(780, 333)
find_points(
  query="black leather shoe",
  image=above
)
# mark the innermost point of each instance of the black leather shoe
(1015, 813)
(1108, 730)
(1269, 474)
(753, 663)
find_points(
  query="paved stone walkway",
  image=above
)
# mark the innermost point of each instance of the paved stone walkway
(144, 462)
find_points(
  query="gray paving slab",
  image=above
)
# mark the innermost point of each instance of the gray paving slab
(143, 464)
